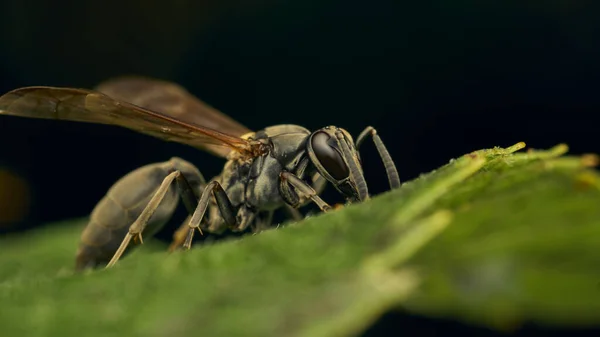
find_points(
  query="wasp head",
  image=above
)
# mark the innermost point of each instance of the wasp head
(334, 155)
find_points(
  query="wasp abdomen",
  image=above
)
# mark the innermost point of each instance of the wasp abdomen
(119, 208)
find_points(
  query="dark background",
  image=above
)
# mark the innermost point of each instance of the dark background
(436, 78)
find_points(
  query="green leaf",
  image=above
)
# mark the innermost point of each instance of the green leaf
(494, 237)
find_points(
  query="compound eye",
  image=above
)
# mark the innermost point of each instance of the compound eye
(330, 159)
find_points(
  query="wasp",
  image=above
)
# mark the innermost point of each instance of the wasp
(282, 166)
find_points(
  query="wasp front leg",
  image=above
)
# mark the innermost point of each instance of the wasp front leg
(390, 167)
(290, 195)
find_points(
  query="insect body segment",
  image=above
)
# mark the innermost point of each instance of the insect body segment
(126, 201)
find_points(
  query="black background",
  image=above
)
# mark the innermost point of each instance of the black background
(436, 78)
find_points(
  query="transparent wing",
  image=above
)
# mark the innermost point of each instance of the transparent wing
(84, 105)
(171, 100)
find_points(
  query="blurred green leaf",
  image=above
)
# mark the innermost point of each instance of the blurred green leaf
(494, 237)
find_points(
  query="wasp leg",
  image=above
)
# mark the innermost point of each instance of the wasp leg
(225, 207)
(179, 235)
(186, 194)
(290, 195)
(390, 167)
(136, 229)
(245, 216)
(190, 200)
(318, 184)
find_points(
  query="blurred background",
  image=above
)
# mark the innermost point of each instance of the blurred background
(437, 79)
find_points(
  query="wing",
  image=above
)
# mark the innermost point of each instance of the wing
(90, 106)
(172, 100)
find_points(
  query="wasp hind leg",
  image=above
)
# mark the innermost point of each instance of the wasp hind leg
(135, 230)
